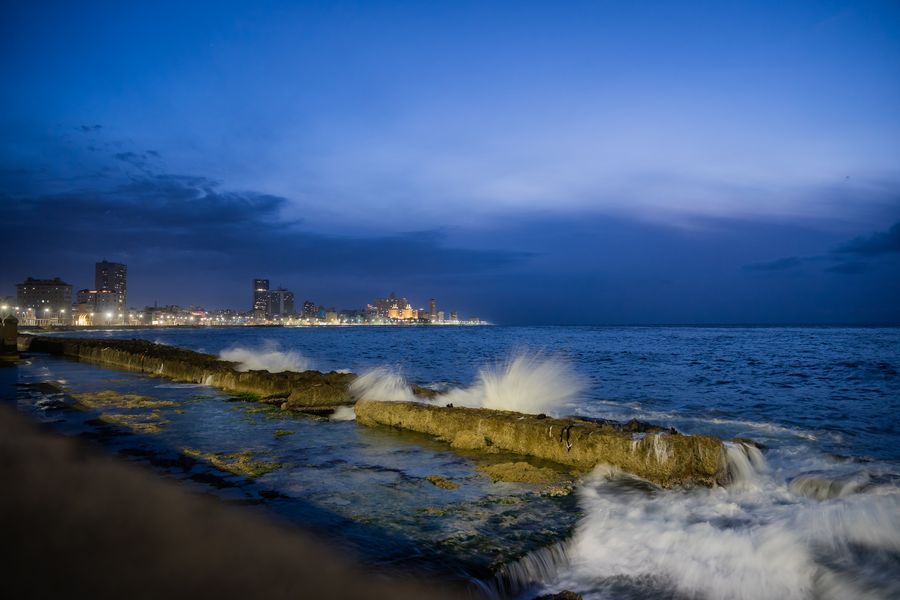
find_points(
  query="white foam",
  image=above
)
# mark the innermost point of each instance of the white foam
(343, 413)
(384, 384)
(528, 383)
(754, 539)
(269, 358)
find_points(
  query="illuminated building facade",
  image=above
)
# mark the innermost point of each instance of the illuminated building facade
(45, 299)
(102, 306)
(112, 277)
(260, 298)
(281, 303)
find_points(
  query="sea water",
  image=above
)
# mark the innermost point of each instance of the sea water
(811, 511)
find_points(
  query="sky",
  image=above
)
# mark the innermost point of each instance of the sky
(525, 162)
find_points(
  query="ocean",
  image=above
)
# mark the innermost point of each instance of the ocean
(815, 513)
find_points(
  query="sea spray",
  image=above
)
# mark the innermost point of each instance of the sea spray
(754, 538)
(528, 382)
(269, 358)
(343, 413)
(382, 384)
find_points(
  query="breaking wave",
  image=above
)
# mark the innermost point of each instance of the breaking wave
(383, 384)
(269, 358)
(528, 383)
(754, 538)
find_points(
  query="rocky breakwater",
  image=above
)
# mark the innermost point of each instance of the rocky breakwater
(662, 456)
(309, 391)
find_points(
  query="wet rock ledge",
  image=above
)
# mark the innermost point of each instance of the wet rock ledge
(662, 456)
(310, 391)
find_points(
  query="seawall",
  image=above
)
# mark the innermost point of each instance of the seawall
(310, 391)
(664, 457)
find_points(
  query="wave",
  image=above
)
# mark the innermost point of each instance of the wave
(382, 383)
(755, 538)
(528, 383)
(269, 358)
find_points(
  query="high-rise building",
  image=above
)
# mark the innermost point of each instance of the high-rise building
(281, 303)
(260, 297)
(432, 309)
(46, 298)
(310, 309)
(113, 277)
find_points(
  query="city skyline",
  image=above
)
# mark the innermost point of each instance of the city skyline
(580, 163)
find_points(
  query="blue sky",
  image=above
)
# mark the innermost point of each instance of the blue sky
(547, 162)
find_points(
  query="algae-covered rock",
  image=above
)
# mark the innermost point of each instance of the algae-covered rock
(471, 440)
(112, 399)
(664, 458)
(238, 463)
(521, 472)
(138, 422)
(297, 391)
(441, 482)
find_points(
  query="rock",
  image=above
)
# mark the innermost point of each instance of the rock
(563, 595)
(667, 459)
(112, 399)
(441, 482)
(299, 391)
(469, 440)
(520, 472)
(237, 463)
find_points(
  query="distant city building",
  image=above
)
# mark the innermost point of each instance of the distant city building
(432, 310)
(104, 303)
(331, 316)
(113, 277)
(453, 316)
(281, 303)
(310, 310)
(45, 299)
(384, 306)
(260, 306)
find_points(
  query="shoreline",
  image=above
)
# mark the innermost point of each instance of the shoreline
(77, 522)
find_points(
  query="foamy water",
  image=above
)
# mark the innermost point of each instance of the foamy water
(757, 538)
(269, 357)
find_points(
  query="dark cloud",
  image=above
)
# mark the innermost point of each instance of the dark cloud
(877, 244)
(863, 247)
(191, 220)
(90, 128)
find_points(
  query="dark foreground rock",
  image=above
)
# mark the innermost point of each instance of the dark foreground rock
(663, 457)
(76, 524)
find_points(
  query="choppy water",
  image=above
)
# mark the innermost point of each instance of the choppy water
(815, 515)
